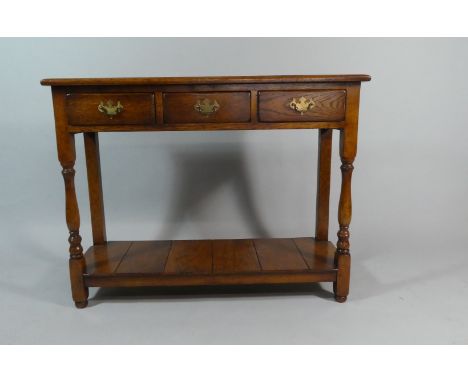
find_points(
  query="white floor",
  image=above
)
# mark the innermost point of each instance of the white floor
(400, 294)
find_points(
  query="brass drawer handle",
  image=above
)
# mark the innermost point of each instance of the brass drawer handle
(110, 109)
(207, 106)
(302, 105)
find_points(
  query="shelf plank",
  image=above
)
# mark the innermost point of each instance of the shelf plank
(319, 255)
(190, 256)
(234, 256)
(105, 258)
(210, 262)
(145, 257)
(279, 254)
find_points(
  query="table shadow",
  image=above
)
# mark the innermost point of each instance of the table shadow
(199, 174)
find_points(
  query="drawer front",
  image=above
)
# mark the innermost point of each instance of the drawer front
(216, 107)
(110, 109)
(299, 106)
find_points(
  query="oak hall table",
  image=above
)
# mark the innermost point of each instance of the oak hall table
(94, 105)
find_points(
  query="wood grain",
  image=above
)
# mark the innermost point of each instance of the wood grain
(145, 257)
(323, 184)
(233, 107)
(138, 109)
(210, 256)
(234, 256)
(289, 277)
(348, 149)
(203, 80)
(208, 126)
(329, 106)
(105, 258)
(190, 256)
(189, 263)
(67, 156)
(319, 255)
(96, 198)
(279, 254)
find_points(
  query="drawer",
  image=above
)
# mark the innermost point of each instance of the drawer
(110, 109)
(206, 107)
(299, 106)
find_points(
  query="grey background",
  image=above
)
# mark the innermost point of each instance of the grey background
(408, 234)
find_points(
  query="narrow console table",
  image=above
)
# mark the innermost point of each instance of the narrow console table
(90, 106)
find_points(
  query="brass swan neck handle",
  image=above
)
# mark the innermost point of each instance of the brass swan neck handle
(110, 109)
(302, 104)
(207, 106)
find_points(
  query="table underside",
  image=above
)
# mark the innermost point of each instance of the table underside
(209, 262)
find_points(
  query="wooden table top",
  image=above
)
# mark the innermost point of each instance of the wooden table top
(204, 80)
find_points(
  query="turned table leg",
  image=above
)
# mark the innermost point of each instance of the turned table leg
(77, 263)
(67, 156)
(348, 149)
(342, 257)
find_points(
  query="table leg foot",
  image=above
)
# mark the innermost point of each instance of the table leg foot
(81, 304)
(340, 298)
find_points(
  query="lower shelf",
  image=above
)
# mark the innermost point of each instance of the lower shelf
(210, 262)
